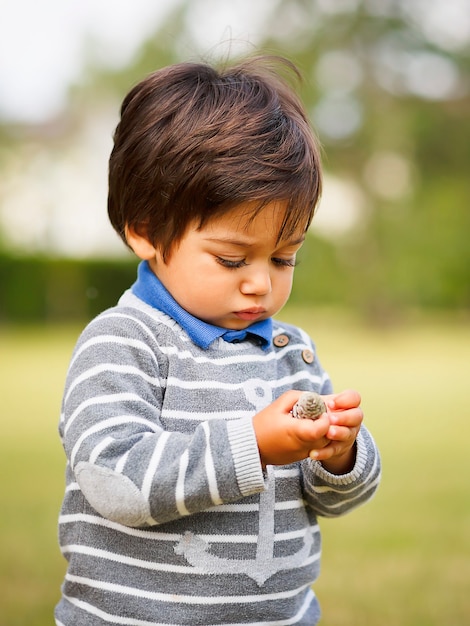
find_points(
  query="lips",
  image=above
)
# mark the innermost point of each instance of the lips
(250, 314)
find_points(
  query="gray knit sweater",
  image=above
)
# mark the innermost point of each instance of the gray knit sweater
(168, 517)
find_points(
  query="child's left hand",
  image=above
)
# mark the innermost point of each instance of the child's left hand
(346, 416)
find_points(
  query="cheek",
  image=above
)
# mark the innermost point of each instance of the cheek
(206, 288)
(284, 285)
(281, 293)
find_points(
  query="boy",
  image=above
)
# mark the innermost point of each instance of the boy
(192, 493)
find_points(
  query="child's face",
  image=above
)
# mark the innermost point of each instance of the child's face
(232, 272)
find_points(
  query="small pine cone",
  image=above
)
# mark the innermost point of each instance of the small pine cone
(310, 405)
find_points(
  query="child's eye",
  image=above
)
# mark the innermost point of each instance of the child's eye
(284, 262)
(228, 263)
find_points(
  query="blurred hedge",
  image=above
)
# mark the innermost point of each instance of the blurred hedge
(42, 289)
(377, 282)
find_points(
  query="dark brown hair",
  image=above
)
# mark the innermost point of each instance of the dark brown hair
(194, 142)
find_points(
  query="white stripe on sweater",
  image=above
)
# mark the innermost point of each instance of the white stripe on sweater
(218, 384)
(119, 341)
(104, 425)
(223, 361)
(173, 598)
(154, 463)
(98, 449)
(155, 535)
(154, 566)
(106, 399)
(124, 621)
(112, 367)
(179, 492)
(210, 469)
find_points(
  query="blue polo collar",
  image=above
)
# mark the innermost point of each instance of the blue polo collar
(150, 289)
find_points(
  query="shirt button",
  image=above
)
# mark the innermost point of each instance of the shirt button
(307, 356)
(280, 340)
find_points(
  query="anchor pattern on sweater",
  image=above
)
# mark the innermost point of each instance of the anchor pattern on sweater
(197, 553)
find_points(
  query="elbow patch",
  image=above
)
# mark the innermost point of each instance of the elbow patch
(113, 495)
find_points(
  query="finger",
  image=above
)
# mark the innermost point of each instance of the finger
(350, 418)
(342, 434)
(347, 399)
(322, 453)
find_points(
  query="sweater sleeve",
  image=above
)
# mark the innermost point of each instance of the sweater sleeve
(129, 468)
(332, 495)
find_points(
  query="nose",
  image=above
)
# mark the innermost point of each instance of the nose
(256, 281)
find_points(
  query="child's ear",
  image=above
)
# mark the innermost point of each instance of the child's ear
(140, 244)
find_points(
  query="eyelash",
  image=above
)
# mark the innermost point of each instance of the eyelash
(233, 265)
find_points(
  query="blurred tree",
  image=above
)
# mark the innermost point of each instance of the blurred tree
(388, 90)
(387, 87)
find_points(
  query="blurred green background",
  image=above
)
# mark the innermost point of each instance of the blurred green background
(382, 286)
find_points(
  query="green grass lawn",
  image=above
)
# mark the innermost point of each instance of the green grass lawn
(401, 560)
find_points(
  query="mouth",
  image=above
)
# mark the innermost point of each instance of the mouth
(250, 314)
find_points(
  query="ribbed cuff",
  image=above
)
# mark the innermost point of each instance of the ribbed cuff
(356, 472)
(245, 455)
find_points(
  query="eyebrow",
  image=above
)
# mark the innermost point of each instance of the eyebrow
(247, 243)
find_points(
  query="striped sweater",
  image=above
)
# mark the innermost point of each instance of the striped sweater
(168, 517)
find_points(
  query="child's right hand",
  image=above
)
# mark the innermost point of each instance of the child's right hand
(283, 439)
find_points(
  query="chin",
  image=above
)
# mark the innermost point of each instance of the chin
(235, 325)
